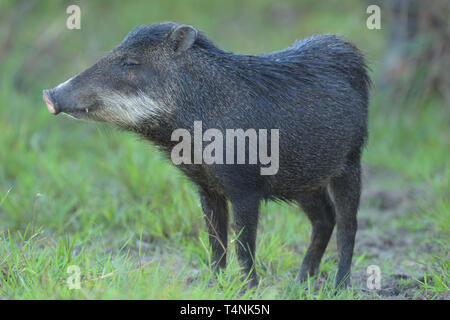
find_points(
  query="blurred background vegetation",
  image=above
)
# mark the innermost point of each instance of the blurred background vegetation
(92, 189)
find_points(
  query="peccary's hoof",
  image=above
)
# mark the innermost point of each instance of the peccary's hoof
(301, 277)
(342, 284)
(303, 274)
(253, 283)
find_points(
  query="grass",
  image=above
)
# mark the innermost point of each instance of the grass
(86, 195)
(81, 194)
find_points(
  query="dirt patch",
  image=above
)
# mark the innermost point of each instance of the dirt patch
(387, 240)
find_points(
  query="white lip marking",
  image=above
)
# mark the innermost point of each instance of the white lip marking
(130, 110)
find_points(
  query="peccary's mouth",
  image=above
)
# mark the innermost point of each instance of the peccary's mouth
(54, 107)
(75, 114)
(80, 111)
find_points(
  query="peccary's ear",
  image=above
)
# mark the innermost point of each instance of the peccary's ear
(182, 38)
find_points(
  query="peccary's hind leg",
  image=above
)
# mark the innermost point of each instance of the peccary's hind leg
(346, 190)
(320, 211)
(245, 214)
(215, 212)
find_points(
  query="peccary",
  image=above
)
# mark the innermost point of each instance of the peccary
(166, 76)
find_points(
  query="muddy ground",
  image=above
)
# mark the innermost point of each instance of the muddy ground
(390, 237)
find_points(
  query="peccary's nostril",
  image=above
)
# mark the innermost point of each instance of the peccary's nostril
(51, 106)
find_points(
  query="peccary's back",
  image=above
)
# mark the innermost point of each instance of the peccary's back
(315, 92)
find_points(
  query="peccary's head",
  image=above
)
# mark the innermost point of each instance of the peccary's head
(135, 82)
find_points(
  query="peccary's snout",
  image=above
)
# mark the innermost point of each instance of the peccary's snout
(68, 98)
(61, 98)
(51, 103)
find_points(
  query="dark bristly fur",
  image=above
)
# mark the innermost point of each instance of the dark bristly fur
(315, 92)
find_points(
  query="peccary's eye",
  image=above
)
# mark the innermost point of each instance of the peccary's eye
(130, 62)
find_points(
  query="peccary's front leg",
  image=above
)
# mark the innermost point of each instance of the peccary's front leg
(245, 214)
(215, 212)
